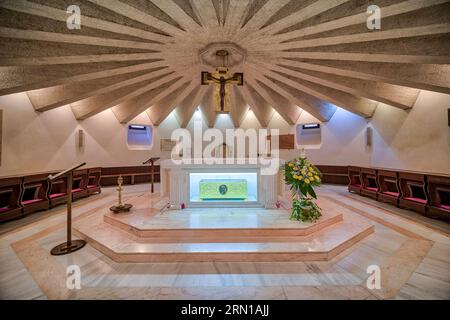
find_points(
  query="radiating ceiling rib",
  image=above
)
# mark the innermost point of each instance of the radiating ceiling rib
(186, 108)
(313, 55)
(360, 18)
(238, 107)
(160, 110)
(289, 112)
(93, 105)
(400, 97)
(58, 96)
(235, 16)
(261, 109)
(138, 15)
(315, 106)
(367, 57)
(262, 16)
(365, 37)
(13, 79)
(363, 107)
(206, 107)
(128, 110)
(431, 77)
(36, 61)
(178, 15)
(61, 15)
(205, 11)
(303, 14)
(82, 40)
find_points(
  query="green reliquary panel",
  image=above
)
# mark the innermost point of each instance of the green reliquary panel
(223, 189)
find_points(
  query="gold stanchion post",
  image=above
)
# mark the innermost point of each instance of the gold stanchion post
(70, 245)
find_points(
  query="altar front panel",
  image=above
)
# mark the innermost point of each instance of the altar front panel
(224, 185)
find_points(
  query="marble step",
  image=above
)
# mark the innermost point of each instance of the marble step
(121, 246)
(230, 226)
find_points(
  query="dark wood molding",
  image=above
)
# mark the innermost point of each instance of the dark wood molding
(334, 174)
(130, 175)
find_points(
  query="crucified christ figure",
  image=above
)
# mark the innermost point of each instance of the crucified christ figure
(219, 78)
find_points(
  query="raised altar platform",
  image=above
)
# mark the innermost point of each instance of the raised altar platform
(227, 234)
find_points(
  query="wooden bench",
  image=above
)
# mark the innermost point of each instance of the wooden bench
(34, 195)
(94, 176)
(369, 182)
(21, 195)
(79, 185)
(413, 191)
(389, 190)
(10, 192)
(439, 192)
(57, 193)
(354, 177)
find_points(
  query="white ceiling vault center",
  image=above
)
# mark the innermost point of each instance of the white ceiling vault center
(146, 55)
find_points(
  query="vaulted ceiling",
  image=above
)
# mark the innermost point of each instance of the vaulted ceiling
(144, 55)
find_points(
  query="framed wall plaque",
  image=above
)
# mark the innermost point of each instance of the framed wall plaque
(167, 144)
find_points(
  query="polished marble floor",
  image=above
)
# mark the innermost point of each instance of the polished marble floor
(414, 258)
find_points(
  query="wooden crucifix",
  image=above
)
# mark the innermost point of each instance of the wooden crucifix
(222, 80)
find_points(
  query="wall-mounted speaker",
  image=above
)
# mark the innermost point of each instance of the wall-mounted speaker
(448, 115)
(80, 139)
(369, 136)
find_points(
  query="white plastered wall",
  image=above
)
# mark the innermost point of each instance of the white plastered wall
(418, 139)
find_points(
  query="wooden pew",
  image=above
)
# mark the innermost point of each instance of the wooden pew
(94, 176)
(354, 177)
(57, 192)
(25, 194)
(369, 182)
(34, 195)
(10, 192)
(439, 192)
(389, 190)
(413, 191)
(80, 182)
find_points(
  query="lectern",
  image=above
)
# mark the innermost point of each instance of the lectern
(152, 161)
(69, 246)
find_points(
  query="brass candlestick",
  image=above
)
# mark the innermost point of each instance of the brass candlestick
(120, 207)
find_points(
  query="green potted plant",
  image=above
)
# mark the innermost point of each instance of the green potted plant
(302, 177)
